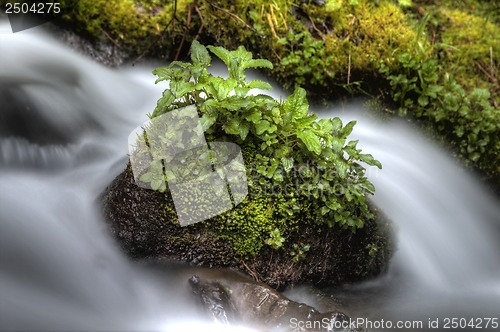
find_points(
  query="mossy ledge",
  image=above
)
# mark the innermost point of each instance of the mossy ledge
(138, 220)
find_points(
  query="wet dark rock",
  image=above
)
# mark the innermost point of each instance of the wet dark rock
(102, 51)
(243, 301)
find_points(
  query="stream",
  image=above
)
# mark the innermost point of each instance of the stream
(64, 123)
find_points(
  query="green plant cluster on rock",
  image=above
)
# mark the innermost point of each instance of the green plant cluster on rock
(302, 172)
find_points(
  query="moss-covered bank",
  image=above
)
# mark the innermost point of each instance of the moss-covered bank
(144, 229)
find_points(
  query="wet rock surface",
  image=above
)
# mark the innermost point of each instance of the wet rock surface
(104, 52)
(246, 302)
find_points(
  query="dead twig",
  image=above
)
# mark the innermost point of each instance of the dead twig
(252, 273)
(492, 78)
(109, 37)
(201, 19)
(188, 23)
(349, 69)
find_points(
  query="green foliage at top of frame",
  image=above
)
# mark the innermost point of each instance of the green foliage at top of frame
(312, 162)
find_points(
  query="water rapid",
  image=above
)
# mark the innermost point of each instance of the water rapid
(64, 123)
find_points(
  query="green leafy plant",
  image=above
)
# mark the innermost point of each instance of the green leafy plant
(306, 57)
(275, 239)
(298, 252)
(319, 173)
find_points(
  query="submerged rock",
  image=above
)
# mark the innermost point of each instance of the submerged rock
(236, 302)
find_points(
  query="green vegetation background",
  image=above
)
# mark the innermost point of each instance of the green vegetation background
(435, 62)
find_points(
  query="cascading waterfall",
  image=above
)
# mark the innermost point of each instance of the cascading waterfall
(64, 123)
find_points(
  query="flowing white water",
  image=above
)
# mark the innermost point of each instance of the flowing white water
(447, 262)
(64, 123)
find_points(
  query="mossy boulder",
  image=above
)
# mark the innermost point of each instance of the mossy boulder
(296, 183)
(145, 225)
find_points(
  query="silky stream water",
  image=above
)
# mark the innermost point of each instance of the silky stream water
(64, 123)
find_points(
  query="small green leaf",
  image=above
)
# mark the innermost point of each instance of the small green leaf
(163, 103)
(297, 104)
(207, 120)
(241, 91)
(158, 184)
(199, 54)
(278, 177)
(254, 116)
(475, 156)
(423, 100)
(221, 53)
(258, 84)
(146, 177)
(347, 130)
(164, 73)
(307, 121)
(220, 88)
(342, 168)
(326, 125)
(337, 144)
(257, 63)
(169, 72)
(332, 204)
(324, 210)
(352, 144)
(262, 126)
(243, 129)
(181, 88)
(370, 187)
(433, 90)
(311, 141)
(405, 3)
(336, 125)
(235, 103)
(368, 158)
(333, 5)
(287, 164)
(232, 127)
(282, 41)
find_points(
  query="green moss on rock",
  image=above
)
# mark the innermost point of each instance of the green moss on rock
(127, 24)
(311, 46)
